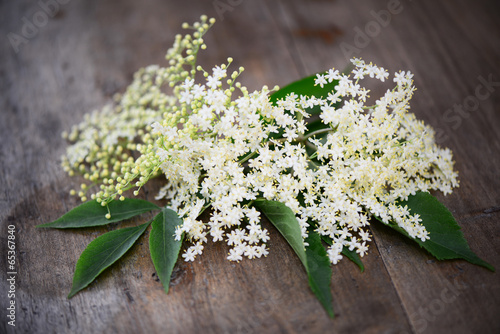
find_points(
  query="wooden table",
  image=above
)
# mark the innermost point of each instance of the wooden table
(81, 53)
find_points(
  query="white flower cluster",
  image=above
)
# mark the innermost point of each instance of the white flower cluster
(220, 146)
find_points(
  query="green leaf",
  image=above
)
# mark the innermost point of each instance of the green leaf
(351, 255)
(319, 271)
(317, 125)
(163, 247)
(283, 218)
(103, 252)
(94, 214)
(304, 86)
(313, 258)
(354, 257)
(446, 240)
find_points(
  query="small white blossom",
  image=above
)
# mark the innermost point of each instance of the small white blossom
(320, 80)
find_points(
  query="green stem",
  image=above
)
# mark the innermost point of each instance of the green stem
(299, 116)
(204, 208)
(318, 132)
(245, 159)
(312, 156)
(308, 144)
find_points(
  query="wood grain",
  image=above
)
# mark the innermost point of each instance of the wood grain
(87, 51)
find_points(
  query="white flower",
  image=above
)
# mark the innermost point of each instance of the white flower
(332, 75)
(222, 147)
(320, 80)
(235, 254)
(403, 78)
(189, 255)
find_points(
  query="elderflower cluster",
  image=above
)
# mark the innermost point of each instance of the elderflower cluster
(222, 147)
(107, 142)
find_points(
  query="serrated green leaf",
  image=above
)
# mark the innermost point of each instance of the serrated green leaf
(313, 258)
(446, 240)
(351, 255)
(163, 247)
(103, 252)
(94, 214)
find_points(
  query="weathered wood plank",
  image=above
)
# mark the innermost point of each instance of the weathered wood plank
(449, 66)
(88, 51)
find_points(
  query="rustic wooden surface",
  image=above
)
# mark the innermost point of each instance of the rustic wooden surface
(88, 50)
